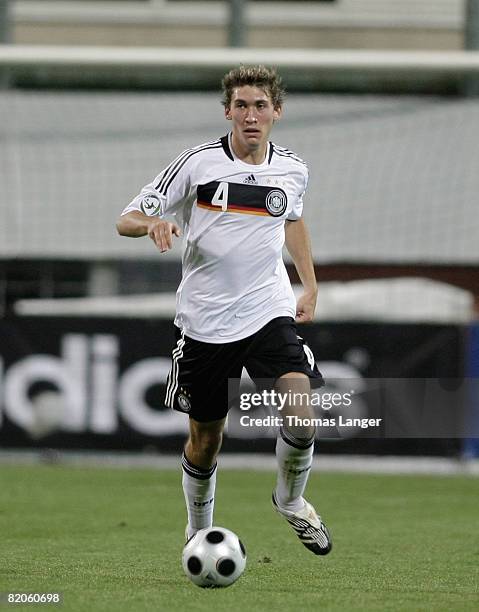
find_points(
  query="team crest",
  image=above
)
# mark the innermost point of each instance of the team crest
(150, 205)
(184, 402)
(276, 202)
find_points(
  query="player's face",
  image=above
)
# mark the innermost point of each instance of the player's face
(253, 114)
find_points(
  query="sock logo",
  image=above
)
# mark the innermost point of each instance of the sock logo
(293, 471)
(198, 504)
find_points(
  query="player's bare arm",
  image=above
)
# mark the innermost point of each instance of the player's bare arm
(299, 247)
(135, 224)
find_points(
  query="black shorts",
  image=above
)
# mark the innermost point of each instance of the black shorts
(198, 380)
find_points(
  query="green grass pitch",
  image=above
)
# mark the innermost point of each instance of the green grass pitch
(111, 539)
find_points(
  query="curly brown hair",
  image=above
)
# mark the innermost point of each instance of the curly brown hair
(266, 79)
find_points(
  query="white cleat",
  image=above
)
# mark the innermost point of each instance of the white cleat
(309, 528)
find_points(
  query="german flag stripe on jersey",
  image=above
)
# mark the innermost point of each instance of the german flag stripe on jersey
(233, 208)
(242, 198)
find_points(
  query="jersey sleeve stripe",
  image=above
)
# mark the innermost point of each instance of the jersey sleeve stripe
(172, 177)
(174, 164)
(287, 153)
(169, 168)
(172, 170)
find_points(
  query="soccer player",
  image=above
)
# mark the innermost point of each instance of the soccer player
(237, 200)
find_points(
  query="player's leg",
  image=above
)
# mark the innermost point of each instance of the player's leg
(294, 453)
(199, 472)
(295, 442)
(281, 355)
(198, 386)
(204, 442)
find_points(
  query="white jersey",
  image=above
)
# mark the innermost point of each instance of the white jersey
(232, 216)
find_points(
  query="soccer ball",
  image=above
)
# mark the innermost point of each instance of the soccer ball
(214, 557)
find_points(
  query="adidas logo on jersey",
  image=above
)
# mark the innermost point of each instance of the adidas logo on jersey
(250, 180)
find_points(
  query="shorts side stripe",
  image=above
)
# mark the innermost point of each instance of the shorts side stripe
(172, 383)
(173, 374)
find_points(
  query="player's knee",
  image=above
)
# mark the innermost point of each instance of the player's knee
(301, 435)
(300, 422)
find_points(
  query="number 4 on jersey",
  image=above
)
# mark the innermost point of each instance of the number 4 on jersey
(221, 196)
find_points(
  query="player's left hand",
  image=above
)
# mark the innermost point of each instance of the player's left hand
(305, 307)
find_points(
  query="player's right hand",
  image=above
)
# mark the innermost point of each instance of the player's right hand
(161, 232)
